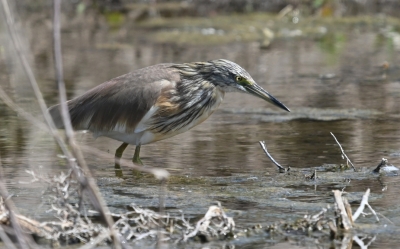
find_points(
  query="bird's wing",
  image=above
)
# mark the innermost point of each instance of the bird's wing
(121, 103)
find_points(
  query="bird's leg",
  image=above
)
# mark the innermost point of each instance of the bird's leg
(118, 155)
(136, 158)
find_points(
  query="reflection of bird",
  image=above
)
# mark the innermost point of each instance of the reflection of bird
(158, 102)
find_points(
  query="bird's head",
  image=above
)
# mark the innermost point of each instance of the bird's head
(229, 77)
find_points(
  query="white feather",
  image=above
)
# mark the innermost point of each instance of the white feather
(143, 124)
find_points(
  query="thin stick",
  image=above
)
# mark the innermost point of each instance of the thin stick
(21, 112)
(361, 242)
(59, 69)
(338, 200)
(22, 238)
(163, 190)
(32, 80)
(386, 218)
(360, 209)
(86, 182)
(364, 202)
(346, 241)
(280, 168)
(98, 239)
(373, 211)
(348, 210)
(6, 240)
(344, 154)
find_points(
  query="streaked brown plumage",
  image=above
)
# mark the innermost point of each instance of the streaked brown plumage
(158, 102)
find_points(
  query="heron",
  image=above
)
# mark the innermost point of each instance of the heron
(158, 102)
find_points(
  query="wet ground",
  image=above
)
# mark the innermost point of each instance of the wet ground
(341, 79)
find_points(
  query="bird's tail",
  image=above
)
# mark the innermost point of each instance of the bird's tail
(55, 113)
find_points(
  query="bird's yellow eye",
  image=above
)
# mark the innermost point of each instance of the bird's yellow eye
(239, 78)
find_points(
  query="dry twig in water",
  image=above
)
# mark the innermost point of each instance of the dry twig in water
(364, 203)
(73, 225)
(280, 168)
(344, 154)
(346, 222)
(203, 226)
(348, 219)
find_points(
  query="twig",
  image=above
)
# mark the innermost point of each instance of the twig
(348, 210)
(346, 241)
(204, 223)
(386, 218)
(26, 115)
(280, 168)
(364, 202)
(32, 80)
(86, 182)
(313, 176)
(6, 240)
(360, 209)
(93, 243)
(163, 190)
(24, 240)
(339, 202)
(361, 242)
(344, 154)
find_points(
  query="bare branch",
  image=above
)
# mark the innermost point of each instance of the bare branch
(6, 240)
(360, 209)
(24, 240)
(86, 182)
(361, 244)
(93, 243)
(204, 224)
(280, 168)
(364, 202)
(343, 214)
(344, 154)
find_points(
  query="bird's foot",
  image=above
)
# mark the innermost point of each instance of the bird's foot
(118, 170)
(118, 155)
(138, 162)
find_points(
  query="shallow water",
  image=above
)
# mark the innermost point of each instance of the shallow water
(330, 85)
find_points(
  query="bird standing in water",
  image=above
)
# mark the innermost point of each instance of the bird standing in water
(158, 102)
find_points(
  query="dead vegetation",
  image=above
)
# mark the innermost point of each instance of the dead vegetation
(342, 223)
(75, 221)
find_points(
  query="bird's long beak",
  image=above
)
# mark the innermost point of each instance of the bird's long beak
(258, 91)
